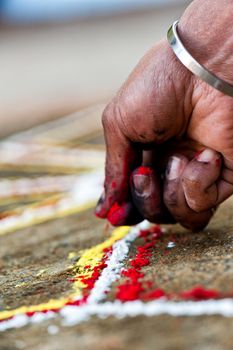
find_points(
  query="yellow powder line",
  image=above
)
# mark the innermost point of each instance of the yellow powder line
(93, 256)
(90, 257)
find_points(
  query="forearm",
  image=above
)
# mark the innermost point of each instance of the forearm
(206, 29)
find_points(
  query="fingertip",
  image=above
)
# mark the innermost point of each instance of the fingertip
(209, 156)
(123, 214)
(199, 180)
(146, 193)
(100, 210)
(141, 181)
(117, 214)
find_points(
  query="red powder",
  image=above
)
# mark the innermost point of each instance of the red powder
(143, 170)
(154, 294)
(129, 291)
(200, 293)
(107, 250)
(133, 274)
(153, 233)
(30, 314)
(78, 302)
(139, 262)
(133, 288)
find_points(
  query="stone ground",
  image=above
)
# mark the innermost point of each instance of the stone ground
(204, 258)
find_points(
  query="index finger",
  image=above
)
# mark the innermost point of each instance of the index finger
(120, 158)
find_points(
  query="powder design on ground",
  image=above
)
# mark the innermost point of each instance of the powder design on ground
(98, 268)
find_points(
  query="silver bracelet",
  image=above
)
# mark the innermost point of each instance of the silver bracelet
(196, 68)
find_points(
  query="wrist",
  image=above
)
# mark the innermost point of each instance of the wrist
(206, 32)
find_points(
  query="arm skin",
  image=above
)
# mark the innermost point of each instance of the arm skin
(169, 135)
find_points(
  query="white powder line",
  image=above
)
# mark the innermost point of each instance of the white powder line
(223, 307)
(111, 273)
(72, 315)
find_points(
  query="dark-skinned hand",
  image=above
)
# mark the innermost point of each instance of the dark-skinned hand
(169, 135)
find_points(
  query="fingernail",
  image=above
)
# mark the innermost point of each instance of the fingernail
(206, 156)
(174, 169)
(99, 211)
(141, 184)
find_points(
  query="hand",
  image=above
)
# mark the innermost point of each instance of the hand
(159, 119)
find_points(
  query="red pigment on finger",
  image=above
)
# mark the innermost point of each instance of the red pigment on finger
(117, 214)
(196, 155)
(143, 170)
(218, 162)
(116, 206)
(113, 184)
(200, 293)
(101, 214)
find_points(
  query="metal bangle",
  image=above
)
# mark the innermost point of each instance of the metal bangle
(196, 68)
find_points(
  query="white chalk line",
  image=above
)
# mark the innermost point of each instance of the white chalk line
(72, 315)
(115, 263)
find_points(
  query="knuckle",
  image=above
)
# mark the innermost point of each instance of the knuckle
(196, 206)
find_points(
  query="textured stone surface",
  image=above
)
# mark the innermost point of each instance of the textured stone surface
(201, 258)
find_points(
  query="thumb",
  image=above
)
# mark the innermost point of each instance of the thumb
(120, 158)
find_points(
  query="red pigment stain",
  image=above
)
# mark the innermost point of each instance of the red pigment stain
(129, 291)
(134, 288)
(114, 209)
(113, 184)
(152, 233)
(196, 155)
(143, 170)
(117, 214)
(218, 162)
(200, 293)
(154, 294)
(100, 214)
